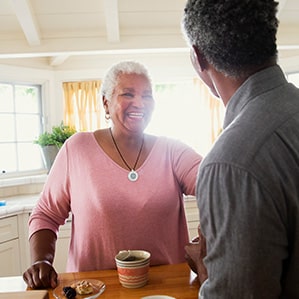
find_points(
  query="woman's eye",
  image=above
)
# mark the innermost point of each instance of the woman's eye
(130, 95)
(148, 97)
(127, 95)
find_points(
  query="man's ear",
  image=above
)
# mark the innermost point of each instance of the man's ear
(199, 59)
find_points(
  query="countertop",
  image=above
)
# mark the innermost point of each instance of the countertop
(25, 203)
(18, 204)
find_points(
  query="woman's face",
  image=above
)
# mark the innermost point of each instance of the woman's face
(131, 105)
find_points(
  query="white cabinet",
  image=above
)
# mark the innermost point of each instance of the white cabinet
(24, 252)
(14, 245)
(62, 247)
(192, 214)
(63, 241)
(9, 256)
(9, 247)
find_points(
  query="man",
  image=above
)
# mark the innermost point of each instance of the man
(248, 185)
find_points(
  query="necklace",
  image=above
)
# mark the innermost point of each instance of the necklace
(133, 175)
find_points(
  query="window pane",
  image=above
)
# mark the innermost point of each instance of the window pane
(27, 99)
(8, 157)
(6, 98)
(29, 156)
(27, 127)
(178, 105)
(183, 111)
(7, 132)
(294, 78)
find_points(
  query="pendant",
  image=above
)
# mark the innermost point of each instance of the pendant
(133, 176)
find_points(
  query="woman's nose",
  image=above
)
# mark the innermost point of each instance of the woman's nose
(138, 101)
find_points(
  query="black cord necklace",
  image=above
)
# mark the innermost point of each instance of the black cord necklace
(133, 175)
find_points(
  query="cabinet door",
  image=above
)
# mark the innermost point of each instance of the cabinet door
(192, 215)
(9, 257)
(62, 247)
(8, 228)
(25, 260)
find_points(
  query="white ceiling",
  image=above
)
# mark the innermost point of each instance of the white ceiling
(57, 30)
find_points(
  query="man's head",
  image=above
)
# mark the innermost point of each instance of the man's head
(235, 37)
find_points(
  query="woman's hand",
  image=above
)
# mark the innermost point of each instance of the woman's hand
(195, 253)
(41, 275)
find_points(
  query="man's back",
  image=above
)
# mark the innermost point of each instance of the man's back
(250, 180)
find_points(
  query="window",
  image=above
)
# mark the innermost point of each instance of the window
(187, 111)
(21, 123)
(184, 110)
(294, 78)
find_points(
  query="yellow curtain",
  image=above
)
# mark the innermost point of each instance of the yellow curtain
(81, 107)
(214, 107)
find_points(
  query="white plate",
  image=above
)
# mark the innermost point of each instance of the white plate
(97, 285)
(158, 297)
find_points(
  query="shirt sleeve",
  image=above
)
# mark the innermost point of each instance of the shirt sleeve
(242, 225)
(185, 165)
(53, 206)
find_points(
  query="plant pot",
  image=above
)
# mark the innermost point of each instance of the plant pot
(49, 153)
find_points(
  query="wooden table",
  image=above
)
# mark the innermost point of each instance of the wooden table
(172, 280)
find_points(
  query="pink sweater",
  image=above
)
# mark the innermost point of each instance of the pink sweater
(110, 213)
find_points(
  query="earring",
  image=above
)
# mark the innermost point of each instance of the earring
(107, 116)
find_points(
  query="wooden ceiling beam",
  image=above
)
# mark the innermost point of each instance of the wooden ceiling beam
(112, 20)
(58, 60)
(281, 5)
(25, 17)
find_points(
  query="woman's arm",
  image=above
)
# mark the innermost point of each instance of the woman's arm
(41, 273)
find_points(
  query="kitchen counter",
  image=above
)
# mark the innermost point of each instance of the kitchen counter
(18, 205)
(14, 245)
(25, 203)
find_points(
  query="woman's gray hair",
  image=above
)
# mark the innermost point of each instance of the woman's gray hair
(125, 67)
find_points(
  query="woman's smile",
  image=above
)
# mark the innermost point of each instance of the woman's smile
(135, 115)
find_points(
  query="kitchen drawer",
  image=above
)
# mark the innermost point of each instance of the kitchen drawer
(193, 229)
(8, 228)
(190, 203)
(194, 216)
(9, 258)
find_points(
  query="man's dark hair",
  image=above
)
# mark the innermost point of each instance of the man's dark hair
(234, 36)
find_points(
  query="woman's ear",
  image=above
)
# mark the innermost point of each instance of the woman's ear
(198, 59)
(105, 104)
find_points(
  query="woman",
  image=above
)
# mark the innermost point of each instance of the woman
(124, 188)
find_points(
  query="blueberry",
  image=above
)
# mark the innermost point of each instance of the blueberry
(69, 292)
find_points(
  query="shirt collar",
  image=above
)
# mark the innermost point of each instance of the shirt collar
(255, 85)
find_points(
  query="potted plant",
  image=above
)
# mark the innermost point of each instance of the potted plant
(51, 142)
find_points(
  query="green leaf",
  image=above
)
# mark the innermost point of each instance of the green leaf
(57, 137)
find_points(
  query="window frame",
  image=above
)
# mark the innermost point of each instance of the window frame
(41, 115)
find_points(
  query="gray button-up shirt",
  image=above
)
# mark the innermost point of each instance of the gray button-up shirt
(248, 194)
